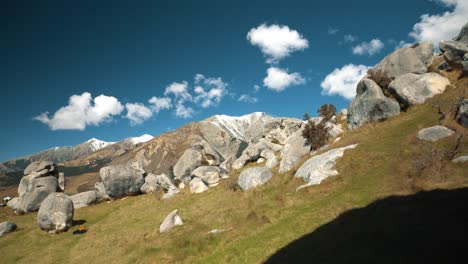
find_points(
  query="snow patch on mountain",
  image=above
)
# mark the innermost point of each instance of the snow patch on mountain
(141, 139)
(237, 125)
(96, 144)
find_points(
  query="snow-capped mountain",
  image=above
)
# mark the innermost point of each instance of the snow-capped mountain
(141, 139)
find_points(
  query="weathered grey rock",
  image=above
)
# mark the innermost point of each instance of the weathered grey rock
(33, 191)
(463, 113)
(227, 164)
(83, 199)
(435, 133)
(14, 203)
(413, 59)
(271, 159)
(461, 159)
(61, 181)
(240, 162)
(7, 227)
(465, 63)
(56, 213)
(218, 231)
(463, 35)
(197, 185)
(209, 174)
(334, 130)
(120, 180)
(38, 166)
(261, 160)
(172, 220)
(320, 167)
(453, 51)
(190, 160)
(254, 177)
(295, 148)
(154, 182)
(209, 155)
(101, 194)
(370, 105)
(413, 89)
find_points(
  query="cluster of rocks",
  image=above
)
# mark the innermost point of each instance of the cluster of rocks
(410, 83)
(41, 179)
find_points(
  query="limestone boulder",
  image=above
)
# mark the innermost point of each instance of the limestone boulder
(7, 227)
(172, 220)
(295, 148)
(413, 89)
(435, 133)
(83, 199)
(120, 180)
(209, 174)
(56, 213)
(197, 185)
(254, 177)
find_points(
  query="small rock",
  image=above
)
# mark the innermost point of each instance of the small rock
(217, 231)
(434, 133)
(254, 177)
(7, 227)
(209, 174)
(172, 220)
(197, 185)
(461, 159)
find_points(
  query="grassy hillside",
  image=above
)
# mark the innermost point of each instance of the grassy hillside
(389, 160)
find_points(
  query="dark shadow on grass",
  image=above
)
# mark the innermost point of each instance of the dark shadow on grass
(427, 227)
(78, 222)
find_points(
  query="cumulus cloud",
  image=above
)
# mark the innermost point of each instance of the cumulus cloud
(444, 26)
(279, 79)
(256, 88)
(370, 48)
(348, 38)
(276, 41)
(332, 30)
(137, 113)
(160, 103)
(402, 44)
(343, 81)
(179, 91)
(182, 111)
(247, 99)
(209, 91)
(81, 111)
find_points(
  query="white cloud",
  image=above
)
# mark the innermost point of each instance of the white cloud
(159, 103)
(349, 38)
(402, 44)
(183, 111)
(80, 112)
(247, 99)
(343, 81)
(179, 91)
(276, 41)
(137, 113)
(210, 91)
(332, 31)
(444, 26)
(256, 88)
(279, 79)
(370, 48)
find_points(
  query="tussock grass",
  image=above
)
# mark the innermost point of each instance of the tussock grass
(263, 220)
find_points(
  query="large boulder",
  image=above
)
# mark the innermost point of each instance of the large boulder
(254, 177)
(209, 174)
(172, 220)
(39, 166)
(435, 133)
(101, 193)
(7, 227)
(370, 105)
(190, 160)
(454, 51)
(33, 191)
(253, 151)
(271, 159)
(120, 180)
(462, 116)
(320, 167)
(295, 148)
(463, 35)
(414, 59)
(56, 213)
(83, 199)
(197, 185)
(412, 88)
(155, 182)
(14, 203)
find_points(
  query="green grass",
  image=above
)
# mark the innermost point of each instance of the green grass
(263, 220)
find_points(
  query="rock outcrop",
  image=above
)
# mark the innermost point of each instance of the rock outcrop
(172, 220)
(41, 178)
(320, 167)
(414, 59)
(254, 177)
(162, 182)
(209, 174)
(197, 185)
(370, 105)
(461, 159)
(456, 51)
(462, 115)
(295, 148)
(435, 133)
(83, 199)
(56, 213)
(121, 180)
(410, 88)
(7, 227)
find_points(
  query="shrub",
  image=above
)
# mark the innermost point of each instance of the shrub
(327, 111)
(306, 117)
(315, 134)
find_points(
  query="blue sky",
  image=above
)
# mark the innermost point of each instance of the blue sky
(197, 54)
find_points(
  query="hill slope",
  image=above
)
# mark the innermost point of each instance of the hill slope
(389, 160)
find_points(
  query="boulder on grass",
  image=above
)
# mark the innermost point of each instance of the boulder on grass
(120, 180)
(83, 199)
(7, 227)
(254, 177)
(435, 133)
(209, 174)
(197, 185)
(56, 213)
(172, 220)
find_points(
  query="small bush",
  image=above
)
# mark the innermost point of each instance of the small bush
(306, 117)
(316, 135)
(327, 111)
